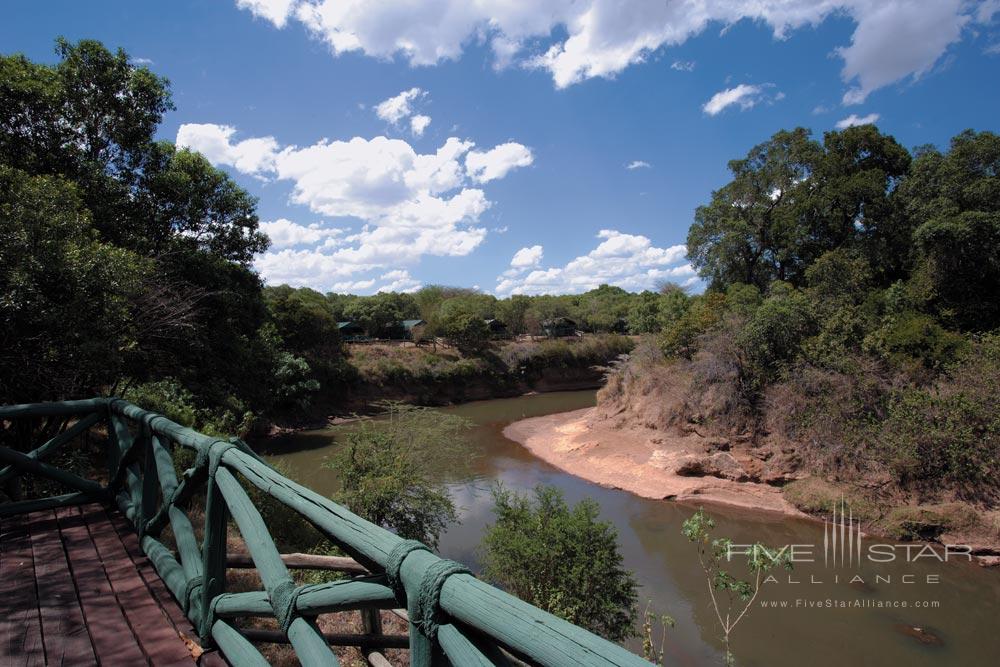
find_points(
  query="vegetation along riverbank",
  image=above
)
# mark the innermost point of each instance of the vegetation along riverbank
(844, 348)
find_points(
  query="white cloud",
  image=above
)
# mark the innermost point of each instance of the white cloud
(574, 40)
(139, 62)
(418, 124)
(628, 260)
(483, 167)
(855, 119)
(898, 39)
(401, 107)
(410, 204)
(745, 95)
(398, 281)
(683, 65)
(527, 257)
(275, 11)
(638, 164)
(992, 49)
(286, 234)
(250, 156)
(398, 107)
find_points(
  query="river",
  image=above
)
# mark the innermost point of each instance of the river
(957, 627)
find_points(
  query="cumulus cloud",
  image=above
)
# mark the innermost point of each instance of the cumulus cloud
(683, 65)
(526, 257)
(411, 204)
(630, 261)
(398, 107)
(745, 95)
(418, 124)
(855, 119)
(496, 162)
(638, 164)
(275, 11)
(896, 40)
(250, 156)
(401, 107)
(286, 234)
(575, 40)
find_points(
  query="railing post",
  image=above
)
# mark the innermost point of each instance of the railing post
(150, 481)
(213, 553)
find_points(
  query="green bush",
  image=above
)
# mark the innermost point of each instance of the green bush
(913, 339)
(773, 335)
(388, 468)
(562, 559)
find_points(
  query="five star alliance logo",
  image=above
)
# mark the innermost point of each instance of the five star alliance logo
(841, 538)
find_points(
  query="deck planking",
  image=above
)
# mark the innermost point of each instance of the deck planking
(75, 589)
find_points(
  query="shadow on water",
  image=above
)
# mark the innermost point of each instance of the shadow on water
(886, 628)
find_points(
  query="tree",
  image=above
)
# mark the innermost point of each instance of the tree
(644, 313)
(390, 468)
(953, 202)
(747, 231)
(380, 313)
(513, 312)
(197, 312)
(466, 331)
(564, 560)
(791, 200)
(66, 299)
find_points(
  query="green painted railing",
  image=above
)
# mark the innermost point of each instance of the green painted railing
(453, 617)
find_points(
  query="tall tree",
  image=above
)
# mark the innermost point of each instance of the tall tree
(953, 202)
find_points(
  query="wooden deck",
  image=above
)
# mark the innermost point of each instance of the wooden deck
(75, 589)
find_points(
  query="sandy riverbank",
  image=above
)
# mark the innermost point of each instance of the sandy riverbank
(645, 462)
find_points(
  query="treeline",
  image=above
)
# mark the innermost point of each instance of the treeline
(852, 311)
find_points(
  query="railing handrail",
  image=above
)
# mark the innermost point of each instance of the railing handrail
(449, 609)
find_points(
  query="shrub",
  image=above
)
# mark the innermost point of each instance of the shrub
(773, 335)
(562, 559)
(913, 339)
(386, 471)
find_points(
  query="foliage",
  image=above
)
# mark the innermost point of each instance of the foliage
(713, 555)
(773, 334)
(650, 651)
(562, 559)
(66, 298)
(466, 331)
(387, 471)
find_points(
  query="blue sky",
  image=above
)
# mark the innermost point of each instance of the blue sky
(520, 181)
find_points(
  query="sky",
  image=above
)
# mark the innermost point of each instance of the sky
(521, 147)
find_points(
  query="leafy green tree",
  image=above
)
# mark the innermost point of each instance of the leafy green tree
(304, 319)
(644, 313)
(774, 334)
(953, 203)
(382, 313)
(197, 311)
(466, 331)
(562, 559)
(66, 299)
(513, 312)
(389, 471)
(748, 231)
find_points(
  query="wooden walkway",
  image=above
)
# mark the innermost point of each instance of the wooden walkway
(75, 589)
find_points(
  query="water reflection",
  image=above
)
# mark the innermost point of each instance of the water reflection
(667, 567)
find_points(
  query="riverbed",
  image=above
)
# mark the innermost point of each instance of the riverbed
(911, 611)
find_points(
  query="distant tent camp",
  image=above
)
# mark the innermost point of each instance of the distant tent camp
(559, 327)
(412, 327)
(351, 331)
(497, 328)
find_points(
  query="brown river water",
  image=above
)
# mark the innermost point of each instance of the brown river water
(910, 611)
